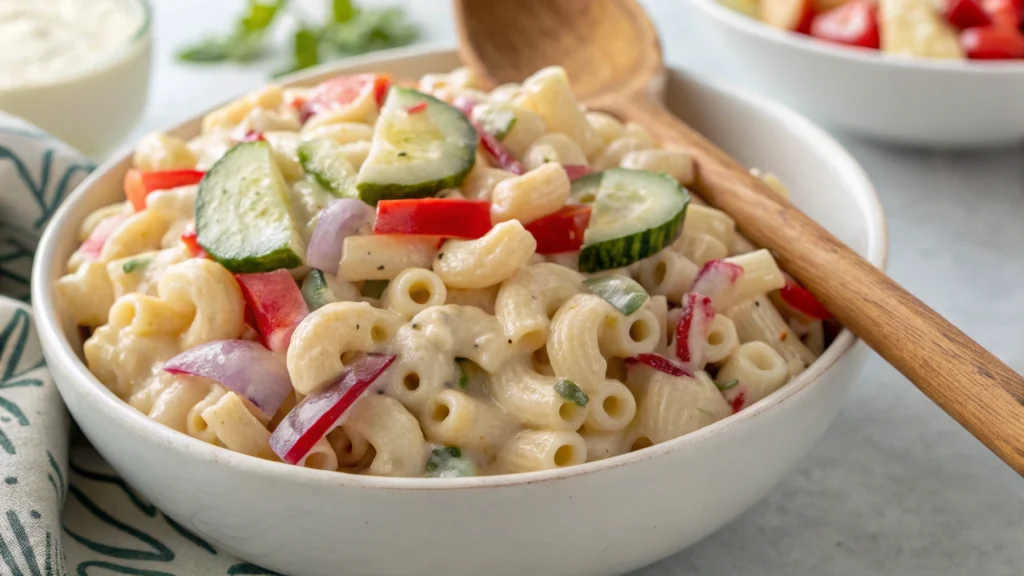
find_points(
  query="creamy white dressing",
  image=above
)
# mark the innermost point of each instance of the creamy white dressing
(41, 40)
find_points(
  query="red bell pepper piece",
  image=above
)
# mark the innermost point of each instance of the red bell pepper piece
(254, 136)
(345, 90)
(276, 303)
(1004, 13)
(853, 24)
(966, 14)
(93, 245)
(801, 300)
(319, 412)
(561, 231)
(994, 42)
(434, 217)
(139, 184)
(191, 241)
(659, 363)
(416, 108)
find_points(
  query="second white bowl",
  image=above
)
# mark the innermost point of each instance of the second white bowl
(911, 101)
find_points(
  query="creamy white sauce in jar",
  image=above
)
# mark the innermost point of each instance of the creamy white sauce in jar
(43, 40)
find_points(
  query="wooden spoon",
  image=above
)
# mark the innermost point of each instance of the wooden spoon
(610, 50)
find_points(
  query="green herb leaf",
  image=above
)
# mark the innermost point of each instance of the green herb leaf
(369, 30)
(208, 50)
(307, 48)
(624, 294)
(569, 391)
(448, 462)
(463, 377)
(133, 265)
(241, 46)
(374, 288)
(260, 15)
(342, 10)
(723, 386)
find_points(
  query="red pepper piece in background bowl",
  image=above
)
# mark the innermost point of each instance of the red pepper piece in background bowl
(852, 24)
(966, 14)
(993, 43)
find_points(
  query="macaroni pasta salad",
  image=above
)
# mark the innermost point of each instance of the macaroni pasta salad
(436, 281)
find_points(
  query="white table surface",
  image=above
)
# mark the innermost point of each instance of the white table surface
(895, 487)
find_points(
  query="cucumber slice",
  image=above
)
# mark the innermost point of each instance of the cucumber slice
(624, 294)
(420, 146)
(636, 214)
(325, 160)
(316, 291)
(242, 213)
(496, 119)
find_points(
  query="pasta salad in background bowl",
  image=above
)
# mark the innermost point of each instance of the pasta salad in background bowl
(342, 304)
(913, 72)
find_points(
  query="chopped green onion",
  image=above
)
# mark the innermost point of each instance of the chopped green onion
(133, 265)
(723, 386)
(569, 391)
(448, 462)
(624, 294)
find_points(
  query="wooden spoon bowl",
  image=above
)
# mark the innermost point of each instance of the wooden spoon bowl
(610, 50)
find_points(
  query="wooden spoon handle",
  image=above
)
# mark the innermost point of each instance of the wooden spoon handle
(968, 382)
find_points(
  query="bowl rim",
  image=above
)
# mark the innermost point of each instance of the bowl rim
(131, 44)
(107, 405)
(853, 53)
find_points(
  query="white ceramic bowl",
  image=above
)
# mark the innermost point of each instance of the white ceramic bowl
(92, 109)
(912, 101)
(600, 518)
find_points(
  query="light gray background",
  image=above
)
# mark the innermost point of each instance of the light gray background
(895, 487)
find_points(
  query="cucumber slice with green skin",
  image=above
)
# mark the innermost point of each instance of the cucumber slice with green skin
(242, 213)
(624, 294)
(635, 215)
(420, 146)
(325, 160)
(316, 290)
(497, 119)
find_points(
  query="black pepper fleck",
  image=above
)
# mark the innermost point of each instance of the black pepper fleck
(440, 255)
(381, 267)
(357, 326)
(756, 303)
(509, 340)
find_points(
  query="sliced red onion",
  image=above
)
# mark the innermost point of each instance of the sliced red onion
(466, 104)
(500, 153)
(692, 330)
(576, 171)
(244, 367)
(341, 219)
(660, 363)
(715, 278)
(322, 410)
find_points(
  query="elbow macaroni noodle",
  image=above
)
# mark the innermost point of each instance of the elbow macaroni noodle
(500, 351)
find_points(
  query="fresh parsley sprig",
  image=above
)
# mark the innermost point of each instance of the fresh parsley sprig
(348, 30)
